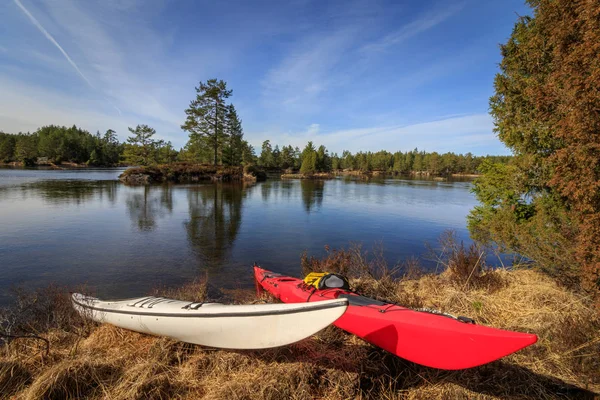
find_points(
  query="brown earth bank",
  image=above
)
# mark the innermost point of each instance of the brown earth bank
(87, 360)
(185, 173)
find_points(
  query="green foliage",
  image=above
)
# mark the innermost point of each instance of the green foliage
(545, 205)
(288, 157)
(141, 149)
(323, 161)
(266, 158)
(248, 155)
(206, 118)
(165, 153)
(26, 149)
(309, 163)
(61, 144)
(7, 147)
(399, 162)
(233, 151)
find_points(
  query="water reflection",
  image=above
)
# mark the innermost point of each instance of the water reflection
(312, 194)
(215, 213)
(63, 192)
(147, 204)
(121, 239)
(266, 190)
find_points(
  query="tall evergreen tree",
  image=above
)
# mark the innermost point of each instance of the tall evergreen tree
(266, 155)
(205, 120)
(233, 149)
(309, 159)
(141, 147)
(248, 154)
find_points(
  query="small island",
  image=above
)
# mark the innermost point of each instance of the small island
(186, 173)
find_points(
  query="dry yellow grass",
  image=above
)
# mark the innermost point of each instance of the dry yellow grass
(105, 362)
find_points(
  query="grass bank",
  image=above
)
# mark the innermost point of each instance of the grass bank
(186, 173)
(316, 175)
(104, 362)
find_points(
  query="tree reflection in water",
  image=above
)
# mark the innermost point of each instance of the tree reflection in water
(215, 219)
(147, 204)
(63, 192)
(312, 193)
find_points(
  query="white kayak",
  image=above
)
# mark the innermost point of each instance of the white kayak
(251, 326)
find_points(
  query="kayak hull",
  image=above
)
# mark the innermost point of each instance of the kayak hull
(212, 324)
(428, 339)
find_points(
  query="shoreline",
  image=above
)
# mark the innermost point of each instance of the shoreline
(375, 174)
(93, 360)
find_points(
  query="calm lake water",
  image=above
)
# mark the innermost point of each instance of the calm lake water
(85, 227)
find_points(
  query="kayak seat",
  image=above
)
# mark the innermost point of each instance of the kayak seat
(355, 300)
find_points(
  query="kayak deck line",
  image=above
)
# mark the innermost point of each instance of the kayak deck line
(317, 307)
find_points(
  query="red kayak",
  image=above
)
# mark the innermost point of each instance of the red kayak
(424, 337)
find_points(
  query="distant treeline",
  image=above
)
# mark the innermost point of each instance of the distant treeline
(311, 160)
(216, 137)
(61, 144)
(57, 144)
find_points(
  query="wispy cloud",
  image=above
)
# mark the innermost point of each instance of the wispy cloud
(469, 132)
(338, 58)
(414, 28)
(305, 72)
(35, 22)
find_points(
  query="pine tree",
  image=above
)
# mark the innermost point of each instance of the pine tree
(141, 147)
(309, 159)
(266, 155)
(205, 120)
(309, 163)
(232, 152)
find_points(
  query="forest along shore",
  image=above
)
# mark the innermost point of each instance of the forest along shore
(95, 361)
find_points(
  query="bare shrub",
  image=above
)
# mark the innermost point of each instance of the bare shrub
(465, 266)
(40, 310)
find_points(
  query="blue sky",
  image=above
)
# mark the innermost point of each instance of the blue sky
(356, 75)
